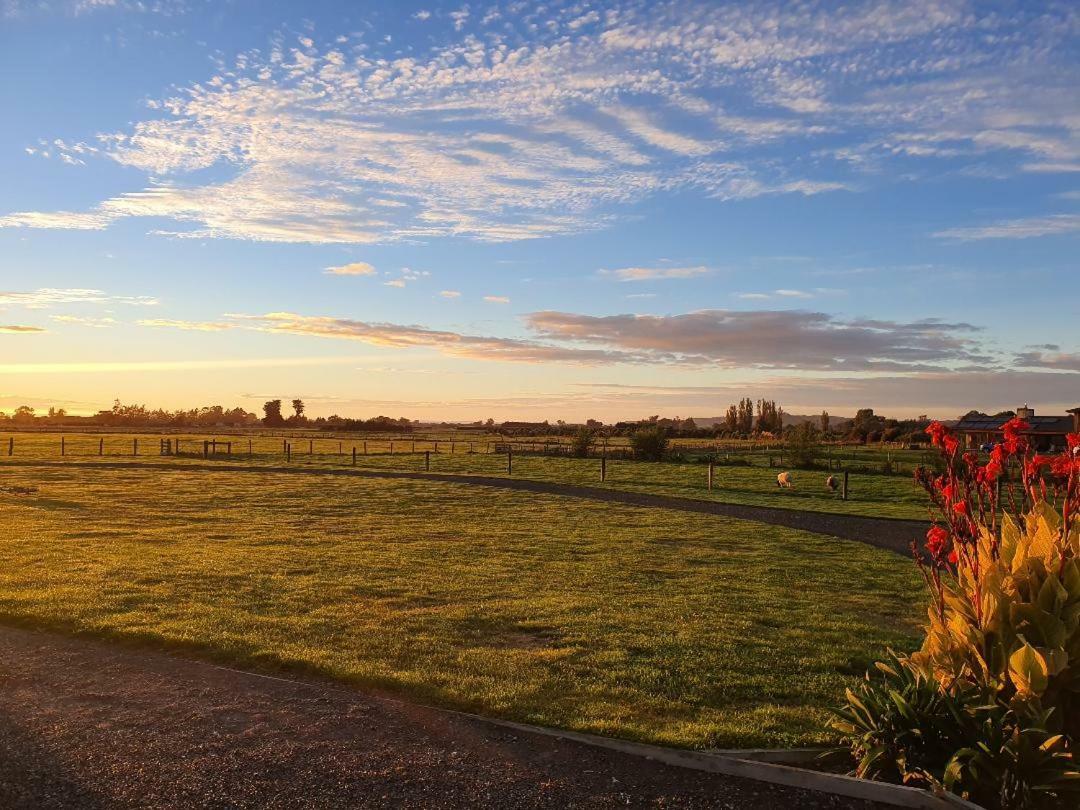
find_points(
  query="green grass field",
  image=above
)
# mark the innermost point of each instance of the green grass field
(643, 623)
(870, 493)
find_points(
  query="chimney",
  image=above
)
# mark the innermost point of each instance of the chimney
(1025, 412)
(1076, 419)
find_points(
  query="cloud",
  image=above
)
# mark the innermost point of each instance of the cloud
(563, 125)
(653, 273)
(454, 344)
(13, 329)
(450, 294)
(1028, 228)
(188, 326)
(1050, 357)
(351, 269)
(48, 297)
(764, 339)
(497, 299)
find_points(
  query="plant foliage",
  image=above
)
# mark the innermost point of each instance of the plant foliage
(989, 706)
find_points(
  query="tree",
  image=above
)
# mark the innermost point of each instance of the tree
(802, 444)
(273, 417)
(746, 416)
(825, 422)
(581, 443)
(298, 409)
(649, 443)
(731, 419)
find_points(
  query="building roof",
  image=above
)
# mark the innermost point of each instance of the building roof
(1039, 424)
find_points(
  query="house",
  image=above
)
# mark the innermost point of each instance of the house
(1046, 431)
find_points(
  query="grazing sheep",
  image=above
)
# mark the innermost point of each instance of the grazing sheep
(832, 483)
(783, 480)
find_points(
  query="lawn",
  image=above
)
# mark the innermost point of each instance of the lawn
(642, 623)
(871, 494)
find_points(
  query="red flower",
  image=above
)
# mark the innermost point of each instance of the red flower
(952, 557)
(961, 508)
(1073, 440)
(936, 431)
(1011, 430)
(936, 540)
(951, 443)
(948, 491)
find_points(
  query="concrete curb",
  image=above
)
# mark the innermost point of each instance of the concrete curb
(753, 764)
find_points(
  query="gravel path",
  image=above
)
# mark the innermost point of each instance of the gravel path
(87, 725)
(887, 533)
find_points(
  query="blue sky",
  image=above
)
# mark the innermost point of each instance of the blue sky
(558, 210)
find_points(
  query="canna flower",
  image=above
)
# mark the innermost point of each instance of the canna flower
(936, 540)
(937, 432)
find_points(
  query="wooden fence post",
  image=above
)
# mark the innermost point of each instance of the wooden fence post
(288, 451)
(228, 448)
(427, 460)
(339, 448)
(11, 446)
(62, 449)
(249, 447)
(365, 448)
(843, 492)
(710, 474)
(134, 447)
(354, 456)
(101, 447)
(603, 468)
(205, 448)
(311, 447)
(391, 448)
(509, 461)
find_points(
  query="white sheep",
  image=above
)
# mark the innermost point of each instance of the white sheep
(832, 483)
(783, 480)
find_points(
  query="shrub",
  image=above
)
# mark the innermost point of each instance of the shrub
(649, 444)
(989, 706)
(582, 442)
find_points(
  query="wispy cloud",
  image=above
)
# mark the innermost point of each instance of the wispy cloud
(1026, 228)
(653, 273)
(47, 297)
(450, 294)
(497, 299)
(450, 343)
(507, 137)
(187, 326)
(14, 329)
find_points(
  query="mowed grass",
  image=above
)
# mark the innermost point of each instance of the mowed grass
(872, 494)
(641, 623)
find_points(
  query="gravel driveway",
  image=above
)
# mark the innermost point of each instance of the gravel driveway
(85, 724)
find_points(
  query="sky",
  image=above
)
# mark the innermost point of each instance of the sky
(558, 210)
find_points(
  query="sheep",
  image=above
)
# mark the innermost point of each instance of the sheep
(783, 480)
(832, 483)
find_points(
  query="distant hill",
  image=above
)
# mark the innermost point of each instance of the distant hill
(789, 419)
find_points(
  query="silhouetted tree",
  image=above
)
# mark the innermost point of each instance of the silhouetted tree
(272, 411)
